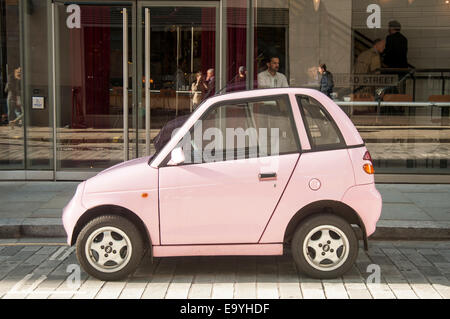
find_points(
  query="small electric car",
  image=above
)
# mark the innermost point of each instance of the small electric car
(248, 173)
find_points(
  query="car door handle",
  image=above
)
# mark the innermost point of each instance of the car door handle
(267, 177)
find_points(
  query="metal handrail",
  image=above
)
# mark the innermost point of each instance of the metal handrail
(406, 104)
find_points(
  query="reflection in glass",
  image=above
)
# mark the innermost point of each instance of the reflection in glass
(12, 112)
(182, 64)
(36, 99)
(237, 72)
(399, 97)
(90, 89)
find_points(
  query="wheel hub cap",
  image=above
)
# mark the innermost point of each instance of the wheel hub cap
(108, 249)
(326, 248)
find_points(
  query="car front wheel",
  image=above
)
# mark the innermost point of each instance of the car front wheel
(324, 246)
(109, 248)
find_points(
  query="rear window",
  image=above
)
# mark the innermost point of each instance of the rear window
(322, 130)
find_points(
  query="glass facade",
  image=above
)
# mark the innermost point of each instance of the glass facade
(12, 147)
(88, 84)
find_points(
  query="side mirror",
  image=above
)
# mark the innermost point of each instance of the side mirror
(177, 157)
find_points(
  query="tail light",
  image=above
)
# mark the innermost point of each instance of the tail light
(367, 157)
(368, 168)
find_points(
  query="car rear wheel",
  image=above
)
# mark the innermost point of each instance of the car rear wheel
(110, 248)
(324, 246)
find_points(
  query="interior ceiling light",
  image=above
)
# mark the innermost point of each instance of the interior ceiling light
(316, 4)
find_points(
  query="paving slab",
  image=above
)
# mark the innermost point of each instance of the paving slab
(408, 270)
(438, 213)
(403, 211)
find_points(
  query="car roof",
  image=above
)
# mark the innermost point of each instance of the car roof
(255, 93)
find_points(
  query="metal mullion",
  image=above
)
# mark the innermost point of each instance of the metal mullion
(135, 77)
(53, 87)
(125, 82)
(23, 59)
(250, 45)
(147, 82)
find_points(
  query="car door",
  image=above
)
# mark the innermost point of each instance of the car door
(239, 158)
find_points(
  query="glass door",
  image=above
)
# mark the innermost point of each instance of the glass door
(178, 65)
(93, 84)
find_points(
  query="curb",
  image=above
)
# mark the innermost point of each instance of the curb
(386, 230)
(411, 230)
(31, 228)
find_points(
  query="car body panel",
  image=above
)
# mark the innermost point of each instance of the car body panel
(73, 211)
(357, 157)
(121, 186)
(301, 131)
(333, 169)
(367, 202)
(221, 203)
(219, 250)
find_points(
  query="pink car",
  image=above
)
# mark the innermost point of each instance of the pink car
(249, 173)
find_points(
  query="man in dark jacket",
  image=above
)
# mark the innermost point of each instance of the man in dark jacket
(396, 51)
(396, 55)
(326, 82)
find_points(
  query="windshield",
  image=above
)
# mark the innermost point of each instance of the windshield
(166, 133)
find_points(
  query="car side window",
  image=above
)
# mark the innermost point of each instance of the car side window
(229, 134)
(273, 119)
(322, 130)
(242, 130)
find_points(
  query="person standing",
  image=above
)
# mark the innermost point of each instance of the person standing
(369, 61)
(180, 79)
(396, 51)
(241, 80)
(396, 56)
(198, 89)
(271, 78)
(326, 81)
(15, 111)
(210, 84)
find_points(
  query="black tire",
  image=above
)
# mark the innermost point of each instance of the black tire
(325, 268)
(131, 261)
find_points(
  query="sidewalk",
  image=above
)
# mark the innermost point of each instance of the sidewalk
(412, 212)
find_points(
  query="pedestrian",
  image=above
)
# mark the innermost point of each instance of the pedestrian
(369, 61)
(241, 80)
(179, 75)
(14, 102)
(198, 90)
(210, 84)
(326, 81)
(271, 78)
(396, 55)
(396, 51)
